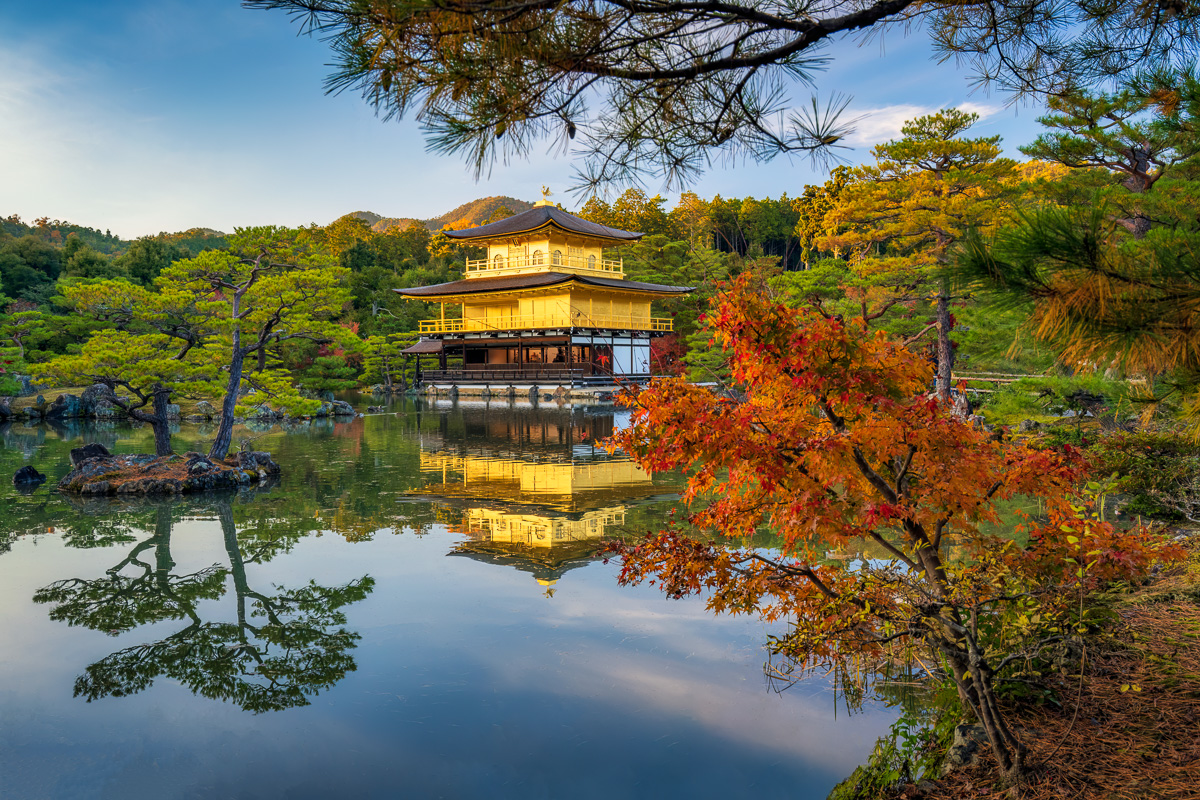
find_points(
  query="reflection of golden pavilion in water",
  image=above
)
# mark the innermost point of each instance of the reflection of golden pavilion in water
(540, 497)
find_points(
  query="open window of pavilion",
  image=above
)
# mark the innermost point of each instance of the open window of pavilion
(548, 302)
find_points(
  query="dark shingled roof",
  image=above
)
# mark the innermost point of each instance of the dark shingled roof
(534, 281)
(540, 217)
(424, 346)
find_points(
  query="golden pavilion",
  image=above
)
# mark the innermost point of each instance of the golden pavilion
(546, 305)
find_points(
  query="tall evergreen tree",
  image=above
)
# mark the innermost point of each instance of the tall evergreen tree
(899, 217)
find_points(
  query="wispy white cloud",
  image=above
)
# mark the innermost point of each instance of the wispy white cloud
(120, 149)
(881, 124)
(69, 152)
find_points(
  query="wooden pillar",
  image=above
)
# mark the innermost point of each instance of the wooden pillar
(570, 347)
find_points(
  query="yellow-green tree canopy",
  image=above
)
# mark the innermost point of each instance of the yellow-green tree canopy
(897, 219)
(900, 215)
(191, 333)
(257, 300)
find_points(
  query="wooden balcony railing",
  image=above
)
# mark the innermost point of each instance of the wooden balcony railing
(545, 321)
(549, 373)
(502, 372)
(542, 263)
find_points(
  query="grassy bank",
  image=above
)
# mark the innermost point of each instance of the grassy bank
(20, 404)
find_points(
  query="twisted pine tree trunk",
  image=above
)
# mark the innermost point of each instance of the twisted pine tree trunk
(1139, 182)
(161, 424)
(945, 349)
(220, 445)
(158, 422)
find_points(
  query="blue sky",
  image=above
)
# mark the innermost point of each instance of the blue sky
(149, 115)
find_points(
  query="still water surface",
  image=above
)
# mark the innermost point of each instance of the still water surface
(414, 611)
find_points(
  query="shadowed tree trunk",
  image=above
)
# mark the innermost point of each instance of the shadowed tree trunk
(163, 563)
(158, 421)
(161, 424)
(945, 349)
(1139, 183)
(236, 566)
(220, 445)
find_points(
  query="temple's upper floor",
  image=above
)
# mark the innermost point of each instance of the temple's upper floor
(544, 239)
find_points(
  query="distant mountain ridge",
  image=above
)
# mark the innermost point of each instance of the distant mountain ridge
(479, 211)
(475, 212)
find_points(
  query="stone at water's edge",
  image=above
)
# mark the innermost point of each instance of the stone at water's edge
(27, 475)
(174, 474)
(88, 451)
(965, 750)
(65, 406)
(340, 408)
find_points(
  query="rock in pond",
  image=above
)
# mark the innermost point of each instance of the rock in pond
(65, 406)
(205, 409)
(27, 475)
(94, 394)
(88, 451)
(173, 474)
(340, 408)
(265, 413)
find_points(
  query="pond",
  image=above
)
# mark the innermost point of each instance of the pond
(417, 609)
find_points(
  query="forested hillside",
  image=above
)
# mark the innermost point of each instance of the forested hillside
(55, 232)
(476, 212)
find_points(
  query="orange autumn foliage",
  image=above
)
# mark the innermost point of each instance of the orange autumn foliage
(827, 439)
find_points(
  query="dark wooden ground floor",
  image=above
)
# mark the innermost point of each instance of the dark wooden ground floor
(566, 359)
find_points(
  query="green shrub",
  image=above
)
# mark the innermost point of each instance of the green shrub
(1159, 472)
(912, 750)
(1045, 398)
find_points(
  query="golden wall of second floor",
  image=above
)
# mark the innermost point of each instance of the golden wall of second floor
(578, 307)
(553, 252)
(540, 530)
(559, 484)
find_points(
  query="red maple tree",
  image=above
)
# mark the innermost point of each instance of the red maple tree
(827, 439)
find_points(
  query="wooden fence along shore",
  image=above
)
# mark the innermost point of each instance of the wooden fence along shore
(996, 378)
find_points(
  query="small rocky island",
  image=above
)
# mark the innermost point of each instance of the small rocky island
(98, 472)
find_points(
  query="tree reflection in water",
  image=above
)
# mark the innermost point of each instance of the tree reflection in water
(284, 646)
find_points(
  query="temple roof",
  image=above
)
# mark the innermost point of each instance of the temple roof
(423, 347)
(536, 280)
(539, 217)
